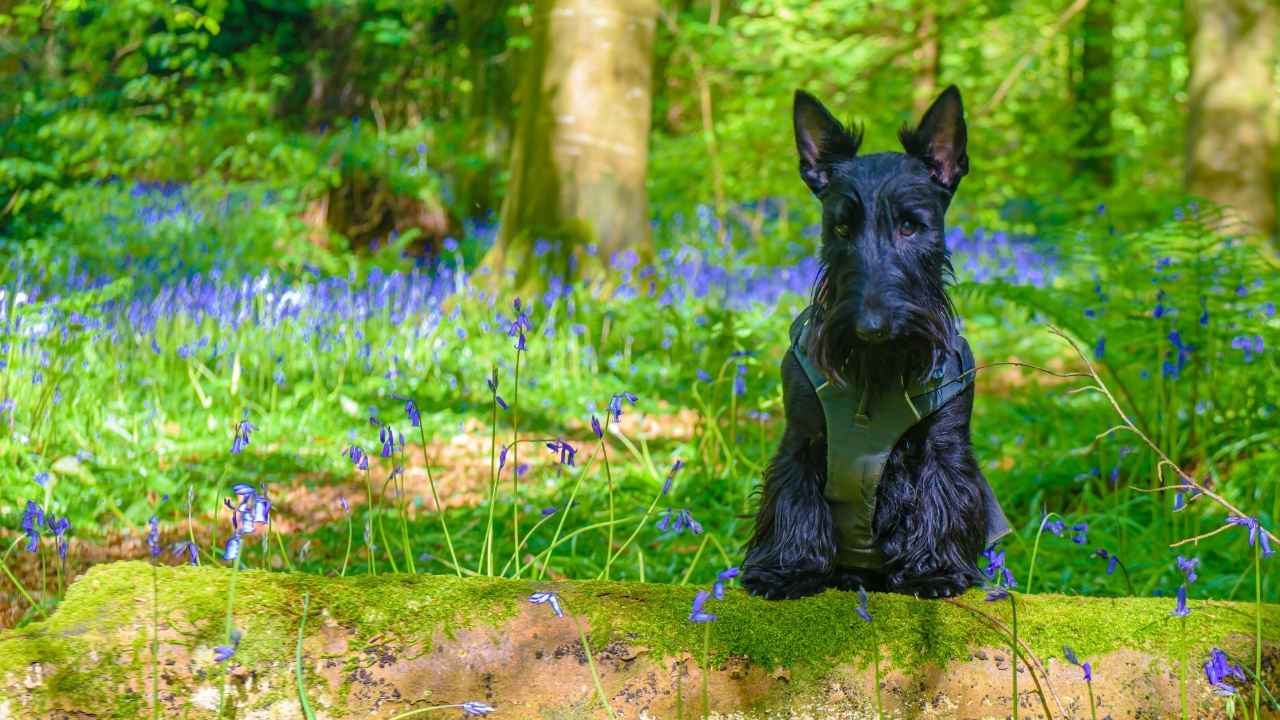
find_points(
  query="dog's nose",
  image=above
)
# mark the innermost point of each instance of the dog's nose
(873, 327)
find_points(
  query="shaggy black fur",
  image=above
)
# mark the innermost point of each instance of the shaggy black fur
(881, 313)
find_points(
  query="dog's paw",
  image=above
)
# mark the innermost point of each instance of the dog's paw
(934, 586)
(782, 585)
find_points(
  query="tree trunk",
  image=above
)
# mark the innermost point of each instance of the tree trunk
(929, 59)
(1232, 126)
(1095, 97)
(376, 647)
(582, 141)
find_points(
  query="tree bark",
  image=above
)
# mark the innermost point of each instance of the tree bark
(1232, 124)
(582, 142)
(1095, 97)
(929, 59)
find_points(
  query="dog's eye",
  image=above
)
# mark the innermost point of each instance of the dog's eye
(842, 231)
(907, 228)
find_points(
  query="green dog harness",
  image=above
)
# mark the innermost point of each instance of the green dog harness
(862, 429)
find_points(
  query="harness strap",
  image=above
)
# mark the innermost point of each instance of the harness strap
(862, 429)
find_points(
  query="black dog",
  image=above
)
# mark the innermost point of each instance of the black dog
(875, 484)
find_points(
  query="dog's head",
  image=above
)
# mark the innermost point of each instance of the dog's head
(881, 295)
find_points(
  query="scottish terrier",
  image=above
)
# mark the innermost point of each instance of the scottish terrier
(875, 484)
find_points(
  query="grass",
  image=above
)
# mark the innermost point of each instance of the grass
(127, 388)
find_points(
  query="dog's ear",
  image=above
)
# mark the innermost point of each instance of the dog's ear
(940, 140)
(821, 141)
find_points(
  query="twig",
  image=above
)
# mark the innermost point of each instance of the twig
(1028, 657)
(1026, 59)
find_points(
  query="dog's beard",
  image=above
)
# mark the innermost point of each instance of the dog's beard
(925, 334)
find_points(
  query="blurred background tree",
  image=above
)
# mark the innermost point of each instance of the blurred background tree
(390, 125)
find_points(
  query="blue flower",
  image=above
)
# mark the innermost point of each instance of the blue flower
(862, 605)
(1055, 526)
(1081, 537)
(697, 613)
(59, 528)
(1256, 533)
(615, 403)
(671, 476)
(188, 548)
(723, 577)
(240, 441)
(548, 511)
(232, 549)
(1180, 609)
(357, 457)
(565, 451)
(223, 653)
(411, 410)
(153, 536)
(1071, 658)
(42, 479)
(32, 519)
(1188, 568)
(1111, 559)
(548, 598)
(475, 708)
(595, 427)
(1219, 669)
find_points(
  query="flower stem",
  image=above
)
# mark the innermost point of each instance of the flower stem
(1093, 708)
(231, 601)
(16, 583)
(1182, 671)
(155, 642)
(347, 556)
(435, 498)
(706, 669)
(368, 519)
(875, 657)
(595, 674)
(608, 473)
(486, 552)
(515, 464)
(1013, 647)
(1257, 630)
(1035, 549)
(297, 661)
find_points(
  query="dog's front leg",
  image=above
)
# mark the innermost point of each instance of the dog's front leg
(934, 498)
(791, 551)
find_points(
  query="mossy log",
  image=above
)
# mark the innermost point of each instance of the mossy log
(375, 647)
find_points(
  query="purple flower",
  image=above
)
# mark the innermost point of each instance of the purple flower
(240, 440)
(1111, 559)
(1055, 526)
(387, 437)
(997, 593)
(32, 519)
(243, 490)
(1256, 533)
(595, 427)
(475, 708)
(502, 457)
(501, 403)
(703, 376)
(565, 451)
(1180, 608)
(232, 549)
(223, 653)
(862, 605)
(1088, 672)
(615, 403)
(697, 614)
(357, 457)
(153, 536)
(1081, 537)
(1188, 568)
(188, 548)
(59, 528)
(671, 476)
(548, 598)
(1071, 658)
(725, 576)
(342, 503)
(1219, 669)
(411, 410)
(42, 479)
(1179, 501)
(548, 511)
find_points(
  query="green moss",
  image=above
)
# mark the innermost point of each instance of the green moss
(805, 636)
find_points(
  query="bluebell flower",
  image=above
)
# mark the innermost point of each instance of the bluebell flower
(42, 478)
(241, 439)
(502, 457)
(1180, 608)
(565, 451)
(723, 577)
(1188, 568)
(231, 550)
(357, 457)
(697, 613)
(1055, 526)
(1256, 533)
(475, 708)
(32, 519)
(153, 536)
(501, 403)
(671, 476)
(223, 653)
(548, 598)
(1179, 501)
(615, 403)
(187, 548)
(342, 503)
(997, 593)
(411, 410)
(1100, 349)
(739, 381)
(703, 376)
(1219, 669)
(1081, 533)
(547, 511)
(595, 427)
(1071, 658)
(387, 437)
(862, 610)
(1111, 559)
(59, 528)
